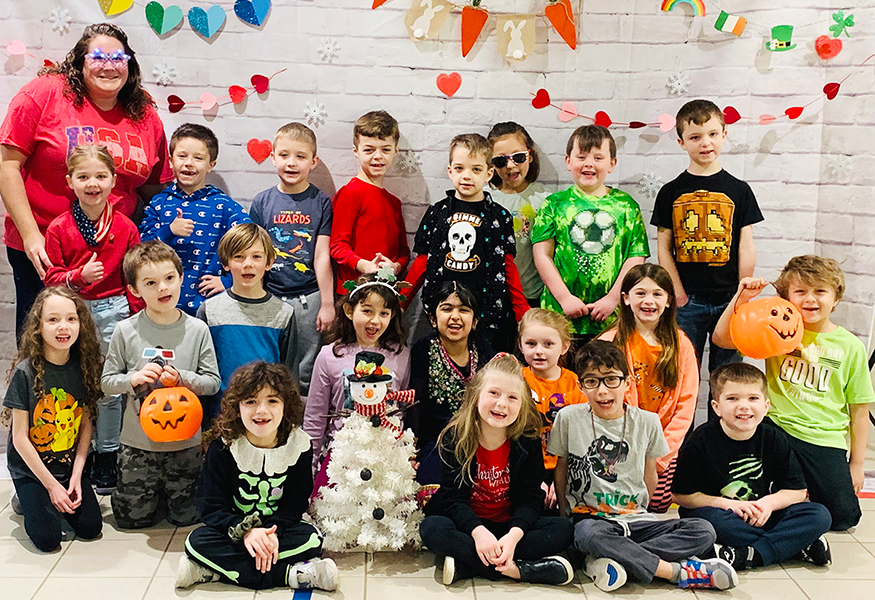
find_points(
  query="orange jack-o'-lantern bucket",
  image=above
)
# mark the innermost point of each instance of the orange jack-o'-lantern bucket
(171, 414)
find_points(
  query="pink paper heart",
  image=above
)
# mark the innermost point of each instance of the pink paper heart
(794, 112)
(666, 122)
(766, 118)
(831, 90)
(568, 112)
(731, 115)
(208, 101)
(602, 118)
(16, 48)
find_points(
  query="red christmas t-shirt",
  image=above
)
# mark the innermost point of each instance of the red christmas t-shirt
(45, 125)
(490, 494)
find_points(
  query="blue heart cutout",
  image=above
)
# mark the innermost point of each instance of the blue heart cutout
(206, 22)
(253, 12)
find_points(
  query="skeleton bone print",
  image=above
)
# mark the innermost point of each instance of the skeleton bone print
(462, 236)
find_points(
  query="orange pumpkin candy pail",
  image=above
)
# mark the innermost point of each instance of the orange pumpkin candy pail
(766, 327)
(171, 414)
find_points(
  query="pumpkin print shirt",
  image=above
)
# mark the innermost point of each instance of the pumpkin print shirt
(54, 416)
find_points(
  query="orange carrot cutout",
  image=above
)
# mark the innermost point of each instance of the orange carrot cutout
(473, 21)
(378, 3)
(560, 15)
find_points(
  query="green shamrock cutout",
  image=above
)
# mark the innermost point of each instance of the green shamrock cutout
(842, 24)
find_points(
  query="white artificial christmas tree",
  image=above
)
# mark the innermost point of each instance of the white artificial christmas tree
(369, 502)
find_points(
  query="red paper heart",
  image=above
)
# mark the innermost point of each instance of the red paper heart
(602, 118)
(237, 93)
(730, 115)
(794, 112)
(637, 125)
(176, 103)
(260, 83)
(449, 83)
(49, 63)
(541, 99)
(831, 90)
(259, 150)
(827, 47)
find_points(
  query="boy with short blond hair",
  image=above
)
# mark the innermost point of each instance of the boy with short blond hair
(155, 478)
(247, 323)
(368, 230)
(705, 219)
(821, 391)
(191, 216)
(297, 216)
(741, 475)
(478, 232)
(586, 238)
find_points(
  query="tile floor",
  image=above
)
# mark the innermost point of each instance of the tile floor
(141, 565)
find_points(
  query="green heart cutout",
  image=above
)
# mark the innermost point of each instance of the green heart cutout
(163, 19)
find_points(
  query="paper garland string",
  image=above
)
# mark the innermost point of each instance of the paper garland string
(16, 50)
(766, 29)
(236, 94)
(205, 21)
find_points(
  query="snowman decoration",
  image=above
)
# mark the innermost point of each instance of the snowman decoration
(368, 387)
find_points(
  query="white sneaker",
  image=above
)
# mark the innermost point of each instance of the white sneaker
(607, 574)
(449, 572)
(190, 573)
(318, 573)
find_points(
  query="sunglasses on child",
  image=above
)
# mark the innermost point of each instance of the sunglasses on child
(611, 382)
(117, 58)
(500, 161)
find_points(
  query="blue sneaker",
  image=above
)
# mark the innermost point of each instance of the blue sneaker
(712, 573)
(607, 574)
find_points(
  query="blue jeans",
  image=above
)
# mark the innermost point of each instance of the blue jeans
(697, 318)
(107, 312)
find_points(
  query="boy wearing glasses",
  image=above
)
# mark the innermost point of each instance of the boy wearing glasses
(605, 474)
(587, 237)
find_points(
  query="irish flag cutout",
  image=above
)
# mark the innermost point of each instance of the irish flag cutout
(730, 23)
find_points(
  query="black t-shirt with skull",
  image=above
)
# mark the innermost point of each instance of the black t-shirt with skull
(706, 215)
(467, 242)
(713, 463)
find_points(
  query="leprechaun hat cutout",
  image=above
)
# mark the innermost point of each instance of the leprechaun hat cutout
(782, 36)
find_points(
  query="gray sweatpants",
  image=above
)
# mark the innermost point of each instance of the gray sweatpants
(309, 340)
(640, 544)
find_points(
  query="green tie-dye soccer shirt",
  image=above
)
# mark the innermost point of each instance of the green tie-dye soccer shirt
(593, 238)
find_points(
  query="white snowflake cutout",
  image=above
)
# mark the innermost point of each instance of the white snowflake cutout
(408, 162)
(677, 84)
(839, 167)
(649, 186)
(315, 114)
(164, 74)
(60, 20)
(328, 50)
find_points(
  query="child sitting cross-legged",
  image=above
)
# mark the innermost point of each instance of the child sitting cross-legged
(605, 474)
(253, 535)
(741, 475)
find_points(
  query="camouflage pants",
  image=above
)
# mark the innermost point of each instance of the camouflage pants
(152, 484)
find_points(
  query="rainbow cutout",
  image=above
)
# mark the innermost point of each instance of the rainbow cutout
(698, 5)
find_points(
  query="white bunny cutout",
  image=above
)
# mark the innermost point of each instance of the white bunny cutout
(515, 47)
(422, 23)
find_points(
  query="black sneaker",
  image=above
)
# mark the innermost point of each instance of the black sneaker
(104, 472)
(552, 570)
(16, 504)
(740, 558)
(817, 552)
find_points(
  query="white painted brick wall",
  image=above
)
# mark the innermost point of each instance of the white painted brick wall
(627, 50)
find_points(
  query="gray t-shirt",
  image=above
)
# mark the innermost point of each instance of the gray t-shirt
(606, 467)
(53, 417)
(195, 360)
(523, 207)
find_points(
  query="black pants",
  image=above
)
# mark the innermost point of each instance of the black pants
(829, 481)
(785, 533)
(547, 536)
(42, 521)
(28, 285)
(216, 551)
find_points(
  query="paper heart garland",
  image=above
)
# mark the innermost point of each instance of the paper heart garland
(260, 83)
(114, 7)
(666, 122)
(602, 118)
(253, 12)
(163, 19)
(259, 150)
(237, 93)
(449, 83)
(175, 103)
(765, 119)
(541, 99)
(16, 48)
(208, 101)
(206, 22)
(831, 90)
(827, 47)
(731, 115)
(794, 112)
(568, 112)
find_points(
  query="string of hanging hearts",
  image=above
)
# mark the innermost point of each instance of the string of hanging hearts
(207, 22)
(516, 32)
(236, 94)
(666, 122)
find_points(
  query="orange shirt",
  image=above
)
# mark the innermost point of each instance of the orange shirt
(644, 357)
(550, 397)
